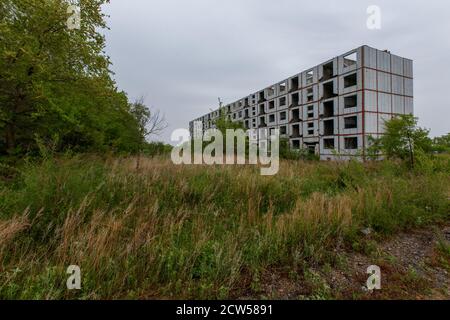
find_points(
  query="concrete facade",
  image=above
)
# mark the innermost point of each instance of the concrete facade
(333, 108)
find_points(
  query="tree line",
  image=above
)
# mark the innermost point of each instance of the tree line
(56, 85)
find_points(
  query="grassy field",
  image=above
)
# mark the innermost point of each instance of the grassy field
(167, 231)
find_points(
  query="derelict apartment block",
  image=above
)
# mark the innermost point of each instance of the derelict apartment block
(333, 108)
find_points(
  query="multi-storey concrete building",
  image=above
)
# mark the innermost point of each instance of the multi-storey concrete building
(333, 108)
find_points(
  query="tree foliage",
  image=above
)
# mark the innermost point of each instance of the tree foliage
(402, 139)
(56, 84)
(442, 144)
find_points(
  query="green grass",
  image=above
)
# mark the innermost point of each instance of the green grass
(169, 231)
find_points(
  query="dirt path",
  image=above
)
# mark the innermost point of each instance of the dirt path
(414, 265)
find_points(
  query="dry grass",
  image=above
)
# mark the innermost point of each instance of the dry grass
(193, 231)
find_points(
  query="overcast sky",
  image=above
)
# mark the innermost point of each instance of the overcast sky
(183, 54)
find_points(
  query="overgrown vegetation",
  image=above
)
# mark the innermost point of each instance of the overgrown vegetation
(196, 231)
(55, 84)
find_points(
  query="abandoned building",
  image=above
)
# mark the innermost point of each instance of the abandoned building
(332, 109)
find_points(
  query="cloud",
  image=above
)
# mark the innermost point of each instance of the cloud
(182, 55)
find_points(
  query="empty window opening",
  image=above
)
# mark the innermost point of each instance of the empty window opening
(328, 109)
(350, 60)
(247, 124)
(351, 143)
(283, 130)
(271, 104)
(312, 149)
(310, 94)
(350, 80)
(240, 114)
(283, 115)
(295, 131)
(283, 87)
(296, 144)
(261, 109)
(351, 101)
(282, 101)
(328, 71)
(294, 84)
(295, 115)
(234, 115)
(246, 113)
(328, 127)
(328, 143)
(310, 111)
(328, 90)
(295, 99)
(262, 121)
(271, 91)
(272, 118)
(261, 97)
(310, 125)
(351, 122)
(310, 77)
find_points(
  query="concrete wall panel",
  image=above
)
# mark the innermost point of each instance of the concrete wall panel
(384, 103)
(384, 82)
(370, 101)
(383, 61)
(397, 65)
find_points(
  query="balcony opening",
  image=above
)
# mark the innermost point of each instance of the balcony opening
(351, 143)
(295, 99)
(295, 115)
(282, 101)
(328, 71)
(328, 127)
(328, 109)
(328, 144)
(295, 131)
(283, 130)
(351, 101)
(283, 116)
(328, 90)
(350, 80)
(296, 144)
(271, 118)
(351, 122)
(262, 122)
(261, 109)
(350, 59)
(247, 126)
(246, 114)
(261, 97)
(294, 84)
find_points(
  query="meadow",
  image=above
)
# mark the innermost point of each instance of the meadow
(197, 232)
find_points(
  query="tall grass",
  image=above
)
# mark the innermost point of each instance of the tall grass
(167, 231)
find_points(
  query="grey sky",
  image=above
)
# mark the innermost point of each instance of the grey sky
(183, 54)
